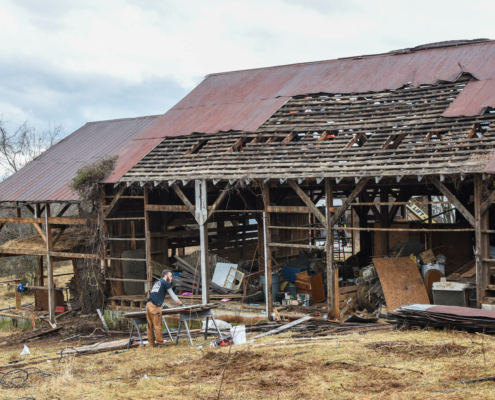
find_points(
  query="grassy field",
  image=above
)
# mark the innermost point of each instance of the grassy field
(391, 365)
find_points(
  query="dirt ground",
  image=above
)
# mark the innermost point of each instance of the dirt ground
(391, 365)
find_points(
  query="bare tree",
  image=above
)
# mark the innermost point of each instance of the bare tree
(24, 144)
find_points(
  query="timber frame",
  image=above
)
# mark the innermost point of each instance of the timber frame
(287, 216)
(39, 215)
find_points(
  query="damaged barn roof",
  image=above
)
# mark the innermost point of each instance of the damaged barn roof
(47, 177)
(244, 100)
(390, 133)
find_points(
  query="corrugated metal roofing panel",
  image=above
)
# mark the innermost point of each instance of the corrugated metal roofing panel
(476, 96)
(47, 177)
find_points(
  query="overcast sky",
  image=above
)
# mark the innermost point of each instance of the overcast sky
(68, 62)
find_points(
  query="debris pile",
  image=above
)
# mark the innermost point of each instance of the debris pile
(225, 277)
(451, 317)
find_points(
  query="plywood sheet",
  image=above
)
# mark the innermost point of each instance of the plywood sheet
(401, 282)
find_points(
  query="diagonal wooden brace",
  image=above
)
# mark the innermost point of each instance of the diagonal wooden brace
(219, 200)
(487, 203)
(341, 210)
(304, 197)
(457, 204)
(184, 199)
(114, 202)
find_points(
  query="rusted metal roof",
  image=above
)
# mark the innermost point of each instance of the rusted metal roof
(223, 101)
(244, 100)
(47, 177)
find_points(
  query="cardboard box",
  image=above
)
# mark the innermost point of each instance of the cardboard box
(427, 257)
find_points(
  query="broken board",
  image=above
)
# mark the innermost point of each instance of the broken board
(401, 282)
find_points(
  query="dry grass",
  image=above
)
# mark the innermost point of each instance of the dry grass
(392, 365)
(72, 237)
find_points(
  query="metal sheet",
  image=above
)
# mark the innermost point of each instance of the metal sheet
(475, 97)
(462, 312)
(47, 177)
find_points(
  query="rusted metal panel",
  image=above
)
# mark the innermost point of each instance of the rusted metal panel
(475, 97)
(47, 177)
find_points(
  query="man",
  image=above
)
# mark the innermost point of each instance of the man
(154, 307)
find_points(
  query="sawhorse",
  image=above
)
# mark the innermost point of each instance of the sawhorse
(143, 321)
(189, 316)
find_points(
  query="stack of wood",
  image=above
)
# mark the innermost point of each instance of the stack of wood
(190, 275)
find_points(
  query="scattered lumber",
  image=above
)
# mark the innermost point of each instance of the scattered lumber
(38, 335)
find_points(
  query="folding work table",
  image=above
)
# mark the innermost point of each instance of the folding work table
(186, 313)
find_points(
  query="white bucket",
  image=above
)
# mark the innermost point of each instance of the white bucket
(238, 334)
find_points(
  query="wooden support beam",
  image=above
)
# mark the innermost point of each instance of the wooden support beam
(457, 204)
(41, 273)
(218, 201)
(113, 205)
(378, 215)
(59, 236)
(53, 221)
(184, 199)
(383, 221)
(341, 210)
(332, 272)
(304, 197)
(482, 242)
(63, 210)
(201, 215)
(487, 203)
(49, 266)
(268, 252)
(149, 269)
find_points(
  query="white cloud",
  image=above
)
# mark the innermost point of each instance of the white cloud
(72, 61)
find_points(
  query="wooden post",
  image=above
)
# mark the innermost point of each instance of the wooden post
(332, 272)
(482, 247)
(201, 214)
(49, 266)
(384, 219)
(261, 235)
(18, 301)
(430, 221)
(267, 239)
(41, 279)
(353, 232)
(149, 269)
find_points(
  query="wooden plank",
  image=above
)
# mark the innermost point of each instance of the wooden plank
(348, 289)
(359, 187)
(457, 204)
(73, 255)
(304, 197)
(283, 327)
(112, 206)
(184, 199)
(401, 282)
(166, 208)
